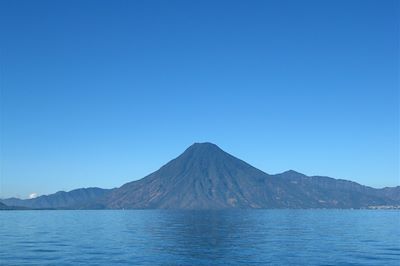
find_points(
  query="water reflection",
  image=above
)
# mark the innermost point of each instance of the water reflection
(156, 237)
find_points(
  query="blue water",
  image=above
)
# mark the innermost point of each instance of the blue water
(155, 237)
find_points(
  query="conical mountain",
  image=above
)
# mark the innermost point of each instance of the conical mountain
(203, 177)
(206, 177)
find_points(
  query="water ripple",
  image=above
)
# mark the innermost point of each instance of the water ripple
(258, 237)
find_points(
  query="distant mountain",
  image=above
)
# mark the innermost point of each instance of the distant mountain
(390, 192)
(206, 177)
(82, 198)
(5, 207)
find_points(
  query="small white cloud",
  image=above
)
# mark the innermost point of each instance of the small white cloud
(32, 195)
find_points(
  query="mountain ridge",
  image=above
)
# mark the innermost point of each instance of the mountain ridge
(206, 177)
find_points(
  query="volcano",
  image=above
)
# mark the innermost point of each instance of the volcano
(206, 177)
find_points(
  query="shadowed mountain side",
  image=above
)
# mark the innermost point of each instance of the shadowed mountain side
(4, 207)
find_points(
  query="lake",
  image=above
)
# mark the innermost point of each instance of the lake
(165, 237)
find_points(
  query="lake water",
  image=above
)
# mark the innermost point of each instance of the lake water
(157, 237)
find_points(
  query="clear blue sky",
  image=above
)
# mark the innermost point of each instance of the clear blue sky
(99, 93)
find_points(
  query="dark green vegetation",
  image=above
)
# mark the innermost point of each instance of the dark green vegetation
(206, 177)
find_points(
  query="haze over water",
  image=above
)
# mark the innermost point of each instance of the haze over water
(160, 237)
